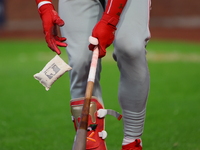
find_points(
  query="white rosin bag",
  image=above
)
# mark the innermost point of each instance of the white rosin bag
(53, 70)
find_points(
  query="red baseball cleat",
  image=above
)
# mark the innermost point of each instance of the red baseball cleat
(136, 145)
(96, 133)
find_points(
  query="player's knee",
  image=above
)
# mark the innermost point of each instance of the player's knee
(79, 65)
(130, 49)
(80, 60)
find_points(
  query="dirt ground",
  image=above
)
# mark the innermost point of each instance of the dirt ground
(183, 34)
(188, 34)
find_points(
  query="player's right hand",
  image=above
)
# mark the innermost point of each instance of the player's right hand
(50, 21)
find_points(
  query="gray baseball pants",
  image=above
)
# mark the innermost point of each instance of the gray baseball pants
(132, 35)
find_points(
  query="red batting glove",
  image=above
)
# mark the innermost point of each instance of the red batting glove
(105, 29)
(50, 20)
(105, 34)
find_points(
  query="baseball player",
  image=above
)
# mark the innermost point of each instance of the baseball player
(125, 23)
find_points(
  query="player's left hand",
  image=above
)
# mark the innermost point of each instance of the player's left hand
(105, 33)
(51, 20)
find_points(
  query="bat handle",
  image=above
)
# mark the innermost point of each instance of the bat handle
(89, 89)
(81, 135)
(93, 66)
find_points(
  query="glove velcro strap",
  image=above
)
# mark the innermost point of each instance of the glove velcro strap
(38, 1)
(110, 19)
(43, 3)
(45, 7)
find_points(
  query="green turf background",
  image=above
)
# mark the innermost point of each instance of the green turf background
(34, 119)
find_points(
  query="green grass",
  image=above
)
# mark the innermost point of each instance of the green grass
(34, 119)
(173, 46)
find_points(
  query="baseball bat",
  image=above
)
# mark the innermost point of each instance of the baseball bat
(81, 134)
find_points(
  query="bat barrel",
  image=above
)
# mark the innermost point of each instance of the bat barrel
(80, 142)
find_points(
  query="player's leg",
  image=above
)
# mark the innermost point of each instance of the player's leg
(80, 16)
(130, 54)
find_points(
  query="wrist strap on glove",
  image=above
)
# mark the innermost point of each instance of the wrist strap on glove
(110, 19)
(42, 2)
(113, 11)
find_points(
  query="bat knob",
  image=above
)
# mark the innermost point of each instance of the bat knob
(93, 40)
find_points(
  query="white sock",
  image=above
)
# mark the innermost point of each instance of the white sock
(129, 140)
